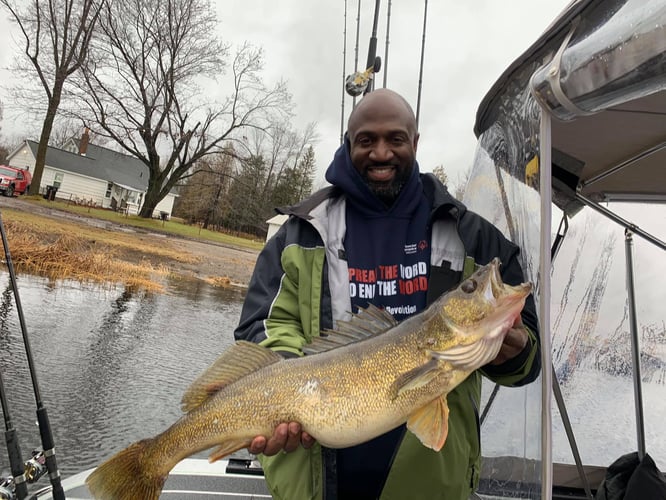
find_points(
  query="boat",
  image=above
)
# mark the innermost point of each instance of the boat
(575, 124)
(191, 479)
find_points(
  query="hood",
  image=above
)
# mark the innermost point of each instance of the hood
(342, 174)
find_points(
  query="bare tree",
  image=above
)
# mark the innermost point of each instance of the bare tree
(281, 148)
(275, 168)
(56, 34)
(65, 129)
(203, 198)
(441, 174)
(460, 185)
(144, 88)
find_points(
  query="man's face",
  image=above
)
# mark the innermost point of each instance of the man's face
(383, 147)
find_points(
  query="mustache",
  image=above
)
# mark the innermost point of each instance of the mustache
(382, 165)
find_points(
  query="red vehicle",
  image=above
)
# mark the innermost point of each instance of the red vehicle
(14, 180)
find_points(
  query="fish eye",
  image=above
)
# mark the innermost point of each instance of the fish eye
(469, 286)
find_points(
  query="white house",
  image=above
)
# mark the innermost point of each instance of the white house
(274, 224)
(86, 173)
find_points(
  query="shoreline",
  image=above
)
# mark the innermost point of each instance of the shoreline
(218, 265)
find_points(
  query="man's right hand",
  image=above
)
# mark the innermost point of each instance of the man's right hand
(286, 437)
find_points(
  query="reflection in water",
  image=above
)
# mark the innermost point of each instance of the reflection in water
(6, 307)
(112, 364)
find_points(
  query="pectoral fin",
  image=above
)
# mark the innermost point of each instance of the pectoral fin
(431, 423)
(418, 377)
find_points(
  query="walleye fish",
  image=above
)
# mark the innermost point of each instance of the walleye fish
(367, 377)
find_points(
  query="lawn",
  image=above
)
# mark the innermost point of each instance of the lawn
(172, 226)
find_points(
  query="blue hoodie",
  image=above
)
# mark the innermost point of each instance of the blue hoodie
(387, 249)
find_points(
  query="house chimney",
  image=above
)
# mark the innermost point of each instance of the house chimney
(83, 145)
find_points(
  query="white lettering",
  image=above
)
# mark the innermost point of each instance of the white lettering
(418, 269)
(366, 290)
(386, 288)
(401, 310)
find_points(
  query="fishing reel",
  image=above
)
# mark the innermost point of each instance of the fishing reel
(357, 83)
(7, 489)
(34, 468)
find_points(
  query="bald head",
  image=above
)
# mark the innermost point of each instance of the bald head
(383, 139)
(379, 103)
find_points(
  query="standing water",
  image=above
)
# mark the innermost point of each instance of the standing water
(111, 364)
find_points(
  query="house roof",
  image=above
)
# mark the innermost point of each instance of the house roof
(278, 219)
(98, 163)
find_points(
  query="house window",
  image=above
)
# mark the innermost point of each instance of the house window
(57, 180)
(109, 187)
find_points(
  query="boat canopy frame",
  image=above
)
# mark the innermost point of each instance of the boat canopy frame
(598, 78)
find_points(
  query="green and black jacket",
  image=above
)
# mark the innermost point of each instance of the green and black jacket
(300, 287)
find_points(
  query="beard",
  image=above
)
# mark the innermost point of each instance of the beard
(388, 192)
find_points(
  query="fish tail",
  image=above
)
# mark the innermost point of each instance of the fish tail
(127, 476)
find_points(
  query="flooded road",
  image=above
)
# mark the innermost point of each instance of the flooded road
(112, 365)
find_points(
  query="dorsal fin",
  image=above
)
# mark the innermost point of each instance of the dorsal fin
(239, 360)
(367, 323)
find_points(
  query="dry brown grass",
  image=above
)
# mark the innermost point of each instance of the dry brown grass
(220, 281)
(66, 250)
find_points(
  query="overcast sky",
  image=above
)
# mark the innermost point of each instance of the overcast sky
(468, 44)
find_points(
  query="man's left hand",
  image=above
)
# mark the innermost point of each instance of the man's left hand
(514, 343)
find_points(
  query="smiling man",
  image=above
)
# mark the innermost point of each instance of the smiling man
(387, 235)
(383, 140)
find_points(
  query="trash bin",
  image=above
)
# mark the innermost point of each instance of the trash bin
(51, 192)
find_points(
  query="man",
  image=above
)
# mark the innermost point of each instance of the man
(331, 257)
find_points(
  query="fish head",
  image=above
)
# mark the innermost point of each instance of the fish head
(478, 312)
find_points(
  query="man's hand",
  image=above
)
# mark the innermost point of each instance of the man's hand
(286, 437)
(514, 343)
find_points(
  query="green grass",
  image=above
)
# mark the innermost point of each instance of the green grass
(172, 226)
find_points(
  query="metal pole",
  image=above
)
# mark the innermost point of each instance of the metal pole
(372, 49)
(564, 414)
(624, 223)
(545, 264)
(42, 415)
(358, 25)
(344, 63)
(557, 392)
(386, 49)
(418, 99)
(635, 347)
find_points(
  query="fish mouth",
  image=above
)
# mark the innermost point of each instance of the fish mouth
(506, 300)
(500, 293)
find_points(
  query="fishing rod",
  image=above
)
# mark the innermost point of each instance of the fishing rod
(423, 38)
(344, 63)
(362, 82)
(386, 48)
(42, 415)
(15, 484)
